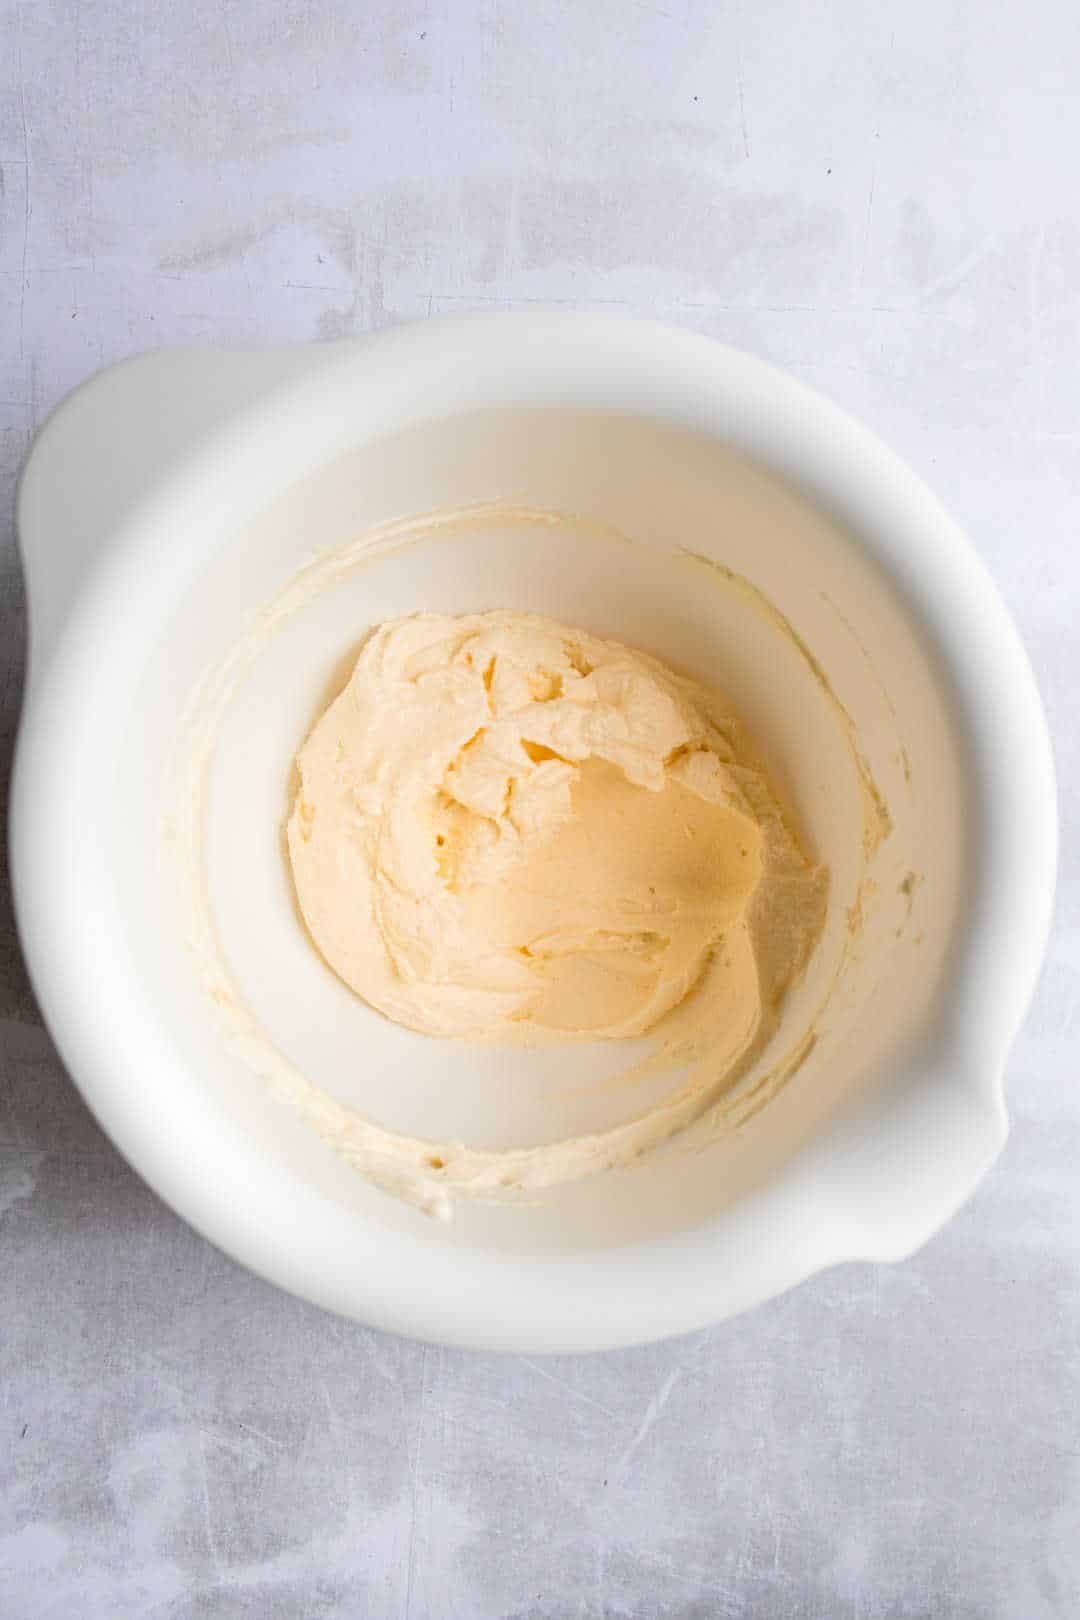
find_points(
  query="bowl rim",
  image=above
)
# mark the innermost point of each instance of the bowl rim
(954, 1085)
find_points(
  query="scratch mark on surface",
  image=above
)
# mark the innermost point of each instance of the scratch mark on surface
(250, 1428)
(550, 303)
(1039, 437)
(305, 286)
(331, 1413)
(687, 1572)
(739, 80)
(227, 32)
(951, 279)
(370, 1346)
(236, 1448)
(869, 221)
(510, 234)
(414, 1477)
(1036, 334)
(27, 205)
(561, 1383)
(649, 1417)
(208, 1525)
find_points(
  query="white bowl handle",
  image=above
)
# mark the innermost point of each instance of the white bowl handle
(105, 449)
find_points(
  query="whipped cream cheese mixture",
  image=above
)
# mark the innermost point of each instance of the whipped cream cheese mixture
(509, 828)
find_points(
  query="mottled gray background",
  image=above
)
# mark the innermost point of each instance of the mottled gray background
(884, 199)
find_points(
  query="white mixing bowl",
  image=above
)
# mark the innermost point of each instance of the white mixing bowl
(171, 500)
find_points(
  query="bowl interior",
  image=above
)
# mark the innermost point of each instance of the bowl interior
(645, 510)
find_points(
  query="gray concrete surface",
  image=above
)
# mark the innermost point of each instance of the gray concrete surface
(882, 199)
